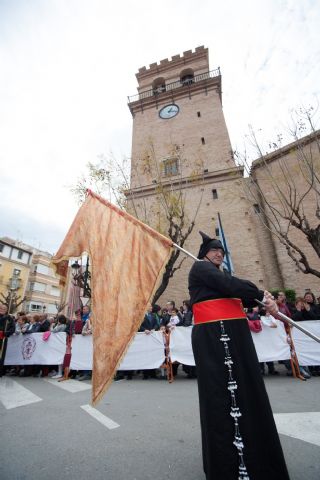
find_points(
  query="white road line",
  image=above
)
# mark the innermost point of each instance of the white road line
(13, 395)
(72, 386)
(302, 425)
(107, 422)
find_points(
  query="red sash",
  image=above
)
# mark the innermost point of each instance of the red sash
(216, 310)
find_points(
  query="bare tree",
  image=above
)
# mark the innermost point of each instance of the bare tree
(12, 301)
(284, 188)
(164, 208)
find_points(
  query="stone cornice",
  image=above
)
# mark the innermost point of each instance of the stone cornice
(186, 182)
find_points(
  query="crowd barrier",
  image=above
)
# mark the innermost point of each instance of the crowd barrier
(147, 351)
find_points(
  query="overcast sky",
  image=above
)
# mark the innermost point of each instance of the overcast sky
(67, 67)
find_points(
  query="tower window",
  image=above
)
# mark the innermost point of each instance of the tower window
(159, 85)
(217, 232)
(20, 254)
(256, 208)
(214, 194)
(203, 140)
(170, 167)
(199, 114)
(187, 76)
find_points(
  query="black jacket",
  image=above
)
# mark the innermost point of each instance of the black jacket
(149, 322)
(207, 282)
(304, 315)
(7, 325)
(187, 319)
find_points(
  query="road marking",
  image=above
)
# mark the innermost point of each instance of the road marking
(13, 395)
(107, 422)
(72, 386)
(302, 425)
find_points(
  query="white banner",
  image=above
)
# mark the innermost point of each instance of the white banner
(307, 349)
(180, 346)
(81, 353)
(33, 350)
(271, 343)
(145, 352)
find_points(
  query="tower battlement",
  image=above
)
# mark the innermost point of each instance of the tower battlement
(185, 58)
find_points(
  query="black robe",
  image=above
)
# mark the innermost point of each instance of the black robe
(258, 449)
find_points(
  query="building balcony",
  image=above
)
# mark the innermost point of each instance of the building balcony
(169, 87)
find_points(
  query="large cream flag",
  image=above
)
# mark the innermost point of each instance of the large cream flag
(127, 262)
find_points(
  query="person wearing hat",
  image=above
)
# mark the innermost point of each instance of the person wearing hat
(239, 437)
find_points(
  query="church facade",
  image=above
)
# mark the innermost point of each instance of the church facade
(180, 143)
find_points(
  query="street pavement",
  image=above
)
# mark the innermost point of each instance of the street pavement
(141, 430)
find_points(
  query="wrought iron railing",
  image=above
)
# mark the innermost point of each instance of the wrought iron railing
(174, 85)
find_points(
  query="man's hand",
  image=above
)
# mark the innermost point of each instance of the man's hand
(270, 304)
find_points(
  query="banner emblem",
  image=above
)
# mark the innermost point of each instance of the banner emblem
(28, 347)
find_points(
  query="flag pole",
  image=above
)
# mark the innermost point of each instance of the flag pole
(186, 252)
(281, 315)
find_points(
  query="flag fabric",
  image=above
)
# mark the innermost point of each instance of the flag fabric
(227, 261)
(127, 259)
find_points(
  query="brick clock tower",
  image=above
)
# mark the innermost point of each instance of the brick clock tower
(179, 108)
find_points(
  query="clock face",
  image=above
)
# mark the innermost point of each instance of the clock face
(169, 111)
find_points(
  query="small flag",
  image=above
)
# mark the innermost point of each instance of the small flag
(227, 261)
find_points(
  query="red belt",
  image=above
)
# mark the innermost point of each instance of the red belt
(220, 309)
(2, 335)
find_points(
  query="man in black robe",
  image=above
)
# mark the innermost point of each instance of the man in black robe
(7, 328)
(239, 436)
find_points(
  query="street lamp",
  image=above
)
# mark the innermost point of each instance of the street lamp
(13, 286)
(82, 280)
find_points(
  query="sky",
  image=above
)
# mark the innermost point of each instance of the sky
(67, 67)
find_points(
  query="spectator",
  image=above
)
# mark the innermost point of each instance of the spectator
(187, 314)
(310, 299)
(304, 311)
(61, 324)
(148, 325)
(18, 324)
(307, 309)
(24, 323)
(156, 310)
(87, 327)
(34, 324)
(85, 313)
(167, 316)
(150, 322)
(44, 323)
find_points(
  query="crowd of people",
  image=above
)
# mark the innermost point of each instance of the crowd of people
(156, 319)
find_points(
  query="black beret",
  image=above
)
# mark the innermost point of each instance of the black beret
(207, 244)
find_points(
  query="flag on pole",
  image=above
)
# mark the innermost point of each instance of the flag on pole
(227, 261)
(128, 259)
